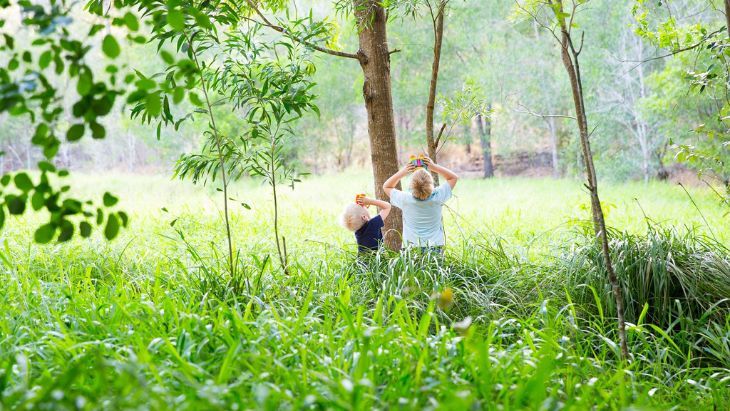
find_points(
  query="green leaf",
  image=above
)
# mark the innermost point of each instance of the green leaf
(83, 86)
(45, 59)
(16, 204)
(153, 104)
(9, 41)
(195, 99)
(112, 227)
(44, 234)
(46, 166)
(67, 231)
(124, 217)
(2, 217)
(176, 20)
(109, 199)
(85, 229)
(97, 130)
(75, 132)
(167, 57)
(145, 83)
(131, 21)
(178, 95)
(23, 182)
(202, 20)
(110, 46)
(95, 29)
(37, 200)
(5, 180)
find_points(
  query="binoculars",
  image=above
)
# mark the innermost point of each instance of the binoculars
(418, 161)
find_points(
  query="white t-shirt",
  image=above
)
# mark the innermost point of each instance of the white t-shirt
(422, 218)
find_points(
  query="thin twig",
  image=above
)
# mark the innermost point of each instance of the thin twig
(675, 52)
(698, 210)
(532, 113)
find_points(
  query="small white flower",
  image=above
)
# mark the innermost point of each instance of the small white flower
(462, 325)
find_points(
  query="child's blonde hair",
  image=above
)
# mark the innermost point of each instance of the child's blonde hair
(352, 218)
(421, 184)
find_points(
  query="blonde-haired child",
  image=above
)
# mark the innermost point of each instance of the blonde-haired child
(356, 218)
(421, 207)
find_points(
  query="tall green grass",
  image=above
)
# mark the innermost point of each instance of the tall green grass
(152, 320)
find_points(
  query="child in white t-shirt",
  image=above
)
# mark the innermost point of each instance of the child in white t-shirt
(422, 226)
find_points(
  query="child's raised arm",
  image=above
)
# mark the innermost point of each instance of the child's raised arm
(390, 183)
(447, 174)
(384, 206)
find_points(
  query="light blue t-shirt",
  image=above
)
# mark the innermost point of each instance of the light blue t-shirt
(422, 218)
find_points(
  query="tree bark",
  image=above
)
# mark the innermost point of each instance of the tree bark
(438, 35)
(570, 59)
(485, 140)
(374, 58)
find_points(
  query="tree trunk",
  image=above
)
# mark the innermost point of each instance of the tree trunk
(727, 16)
(374, 58)
(553, 128)
(485, 140)
(438, 35)
(570, 60)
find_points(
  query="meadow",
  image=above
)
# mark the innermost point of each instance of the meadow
(516, 316)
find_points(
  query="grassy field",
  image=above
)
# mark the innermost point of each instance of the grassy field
(517, 316)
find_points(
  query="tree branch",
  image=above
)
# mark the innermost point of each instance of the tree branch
(543, 116)
(675, 52)
(441, 133)
(283, 30)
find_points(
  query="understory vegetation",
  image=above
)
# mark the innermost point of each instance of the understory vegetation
(516, 315)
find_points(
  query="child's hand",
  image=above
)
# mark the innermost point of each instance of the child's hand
(427, 161)
(364, 201)
(409, 168)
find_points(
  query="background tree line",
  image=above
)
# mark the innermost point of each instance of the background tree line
(641, 105)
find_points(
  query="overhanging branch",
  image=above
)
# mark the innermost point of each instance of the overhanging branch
(283, 30)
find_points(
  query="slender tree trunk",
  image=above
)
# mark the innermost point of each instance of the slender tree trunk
(553, 129)
(280, 240)
(224, 177)
(438, 36)
(570, 61)
(485, 140)
(727, 16)
(374, 58)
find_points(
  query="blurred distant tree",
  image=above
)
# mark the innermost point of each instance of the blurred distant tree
(471, 105)
(700, 65)
(628, 88)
